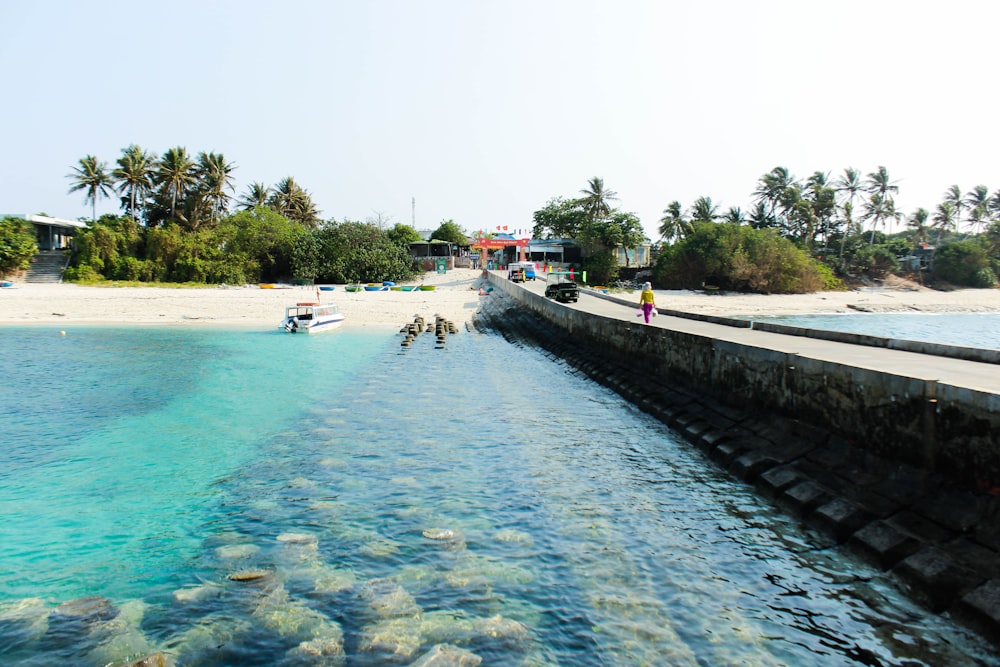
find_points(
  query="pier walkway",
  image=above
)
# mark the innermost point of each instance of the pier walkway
(978, 376)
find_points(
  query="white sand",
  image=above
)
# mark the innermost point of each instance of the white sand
(454, 298)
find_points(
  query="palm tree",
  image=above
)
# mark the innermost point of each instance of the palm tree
(215, 177)
(93, 177)
(595, 199)
(703, 210)
(292, 201)
(995, 206)
(978, 201)
(255, 196)
(945, 218)
(673, 225)
(759, 217)
(918, 223)
(879, 209)
(135, 176)
(848, 186)
(953, 195)
(735, 215)
(772, 186)
(175, 173)
(878, 183)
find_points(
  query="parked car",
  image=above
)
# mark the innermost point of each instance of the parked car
(562, 288)
(521, 271)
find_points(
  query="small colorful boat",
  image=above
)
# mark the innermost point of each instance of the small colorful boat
(326, 288)
(428, 288)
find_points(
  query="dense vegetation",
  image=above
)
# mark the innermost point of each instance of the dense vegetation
(253, 246)
(17, 245)
(842, 223)
(734, 257)
(594, 224)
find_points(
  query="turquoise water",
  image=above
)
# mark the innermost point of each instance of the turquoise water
(979, 330)
(393, 501)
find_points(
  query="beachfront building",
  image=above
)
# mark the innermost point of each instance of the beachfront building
(635, 258)
(51, 233)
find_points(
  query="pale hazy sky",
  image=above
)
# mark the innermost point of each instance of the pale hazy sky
(483, 110)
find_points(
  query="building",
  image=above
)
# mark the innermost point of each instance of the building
(51, 233)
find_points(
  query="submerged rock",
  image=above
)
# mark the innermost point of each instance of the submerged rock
(514, 536)
(154, 660)
(92, 607)
(236, 551)
(252, 574)
(287, 617)
(318, 652)
(385, 598)
(23, 621)
(197, 593)
(200, 643)
(446, 655)
(394, 640)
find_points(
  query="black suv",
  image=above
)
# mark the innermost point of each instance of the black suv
(562, 288)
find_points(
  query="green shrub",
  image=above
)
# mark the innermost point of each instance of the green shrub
(17, 245)
(966, 263)
(739, 258)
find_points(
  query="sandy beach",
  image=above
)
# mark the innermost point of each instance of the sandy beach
(455, 298)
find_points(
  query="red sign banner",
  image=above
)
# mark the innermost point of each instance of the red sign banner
(493, 244)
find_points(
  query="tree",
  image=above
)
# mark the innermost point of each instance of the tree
(918, 223)
(559, 219)
(175, 173)
(770, 189)
(883, 207)
(215, 177)
(739, 257)
(17, 245)
(403, 235)
(256, 196)
(703, 210)
(359, 252)
(91, 175)
(450, 232)
(734, 214)
(294, 202)
(945, 218)
(978, 203)
(595, 200)
(847, 187)
(134, 175)
(879, 209)
(953, 195)
(673, 224)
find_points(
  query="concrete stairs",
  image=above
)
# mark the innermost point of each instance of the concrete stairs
(46, 267)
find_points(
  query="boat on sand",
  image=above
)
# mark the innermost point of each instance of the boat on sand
(312, 317)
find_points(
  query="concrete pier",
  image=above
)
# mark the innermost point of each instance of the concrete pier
(890, 447)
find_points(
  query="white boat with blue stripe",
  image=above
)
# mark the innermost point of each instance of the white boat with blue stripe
(312, 317)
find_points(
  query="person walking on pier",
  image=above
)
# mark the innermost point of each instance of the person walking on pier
(646, 302)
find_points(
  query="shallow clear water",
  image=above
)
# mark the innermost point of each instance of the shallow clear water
(396, 500)
(978, 330)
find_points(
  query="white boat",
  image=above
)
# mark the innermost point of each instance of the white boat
(312, 317)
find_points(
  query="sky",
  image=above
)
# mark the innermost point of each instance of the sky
(481, 111)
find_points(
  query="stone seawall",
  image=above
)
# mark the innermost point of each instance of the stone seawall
(899, 469)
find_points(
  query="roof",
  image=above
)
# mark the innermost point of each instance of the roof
(51, 222)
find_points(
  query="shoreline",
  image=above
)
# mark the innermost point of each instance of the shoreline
(455, 298)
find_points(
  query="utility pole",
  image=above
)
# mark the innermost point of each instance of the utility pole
(413, 210)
